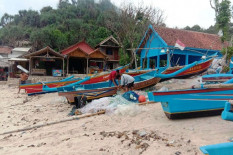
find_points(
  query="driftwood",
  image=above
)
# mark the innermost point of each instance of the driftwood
(55, 122)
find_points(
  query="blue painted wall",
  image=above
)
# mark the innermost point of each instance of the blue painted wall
(156, 42)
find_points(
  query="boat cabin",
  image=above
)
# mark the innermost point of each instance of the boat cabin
(158, 48)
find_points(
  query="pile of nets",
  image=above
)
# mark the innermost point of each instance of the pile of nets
(113, 105)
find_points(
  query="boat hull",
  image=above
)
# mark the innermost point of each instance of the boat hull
(217, 77)
(218, 149)
(197, 69)
(105, 91)
(104, 77)
(38, 87)
(192, 102)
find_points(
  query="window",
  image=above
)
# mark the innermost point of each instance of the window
(109, 51)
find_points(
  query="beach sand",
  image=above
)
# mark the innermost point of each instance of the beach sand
(147, 131)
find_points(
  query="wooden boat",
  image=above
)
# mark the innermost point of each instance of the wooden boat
(38, 87)
(218, 149)
(200, 67)
(216, 78)
(104, 76)
(209, 100)
(102, 89)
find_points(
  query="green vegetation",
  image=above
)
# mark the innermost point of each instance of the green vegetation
(77, 20)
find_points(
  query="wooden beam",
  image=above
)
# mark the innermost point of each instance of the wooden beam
(63, 67)
(67, 67)
(87, 66)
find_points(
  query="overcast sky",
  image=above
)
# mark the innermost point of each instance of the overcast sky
(179, 13)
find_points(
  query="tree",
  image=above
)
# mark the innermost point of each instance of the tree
(222, 16)
(130, 23)
(6, 19)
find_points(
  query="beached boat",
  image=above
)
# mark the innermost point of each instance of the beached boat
(218, 149)
(209, 100)
(216, 78)
(104, 76)
(201, 66)
(102, 89)
(38, 87)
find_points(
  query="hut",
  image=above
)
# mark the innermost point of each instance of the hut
(82, 58)
(46, 62)
(110, 46)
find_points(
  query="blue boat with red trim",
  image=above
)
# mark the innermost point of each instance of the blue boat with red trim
(205, 101)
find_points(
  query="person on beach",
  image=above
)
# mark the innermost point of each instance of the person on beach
(112, 78)
(23, 78)
(127, 82)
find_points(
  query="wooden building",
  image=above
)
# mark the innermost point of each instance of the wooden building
(82, 58)
(45, 61)
(110, 47)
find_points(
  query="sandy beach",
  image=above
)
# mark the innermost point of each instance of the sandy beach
(138, 130)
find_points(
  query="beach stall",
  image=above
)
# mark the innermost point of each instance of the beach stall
(46, 62)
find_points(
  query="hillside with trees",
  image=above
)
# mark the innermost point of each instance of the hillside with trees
(78, 20)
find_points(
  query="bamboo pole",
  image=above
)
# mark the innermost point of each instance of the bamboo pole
(147, 102)
(55, 122)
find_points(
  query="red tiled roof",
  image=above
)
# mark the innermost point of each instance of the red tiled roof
(5, 49)
(81, 45)
(190, 38)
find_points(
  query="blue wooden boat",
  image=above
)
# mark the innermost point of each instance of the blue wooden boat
(216, 78)
(46, 89)
(37, 87)
(209, 100)
(218, 149)
(102, 89)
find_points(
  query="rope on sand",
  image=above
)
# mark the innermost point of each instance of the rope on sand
(55, 122)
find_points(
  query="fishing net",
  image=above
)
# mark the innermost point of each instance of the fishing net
(113, 105)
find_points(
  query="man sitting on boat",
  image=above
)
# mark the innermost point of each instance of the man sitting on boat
(127, 82)
(112, 78)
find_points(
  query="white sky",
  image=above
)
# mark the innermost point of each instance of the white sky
(179, 13)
